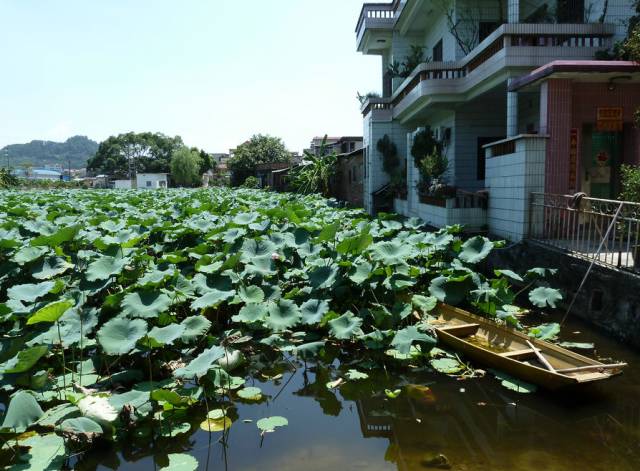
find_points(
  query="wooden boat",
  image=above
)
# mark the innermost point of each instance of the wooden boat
(512, 352)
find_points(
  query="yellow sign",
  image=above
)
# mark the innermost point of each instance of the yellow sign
(609, 119)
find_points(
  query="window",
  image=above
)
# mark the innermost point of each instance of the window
(485, 28)
(437, 52)
(148, 183)
(481, 159)
(352, 146)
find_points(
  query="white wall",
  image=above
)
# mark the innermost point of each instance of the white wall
(122, 184)
(151, 181)
(511, 179)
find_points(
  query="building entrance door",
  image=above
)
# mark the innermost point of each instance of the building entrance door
(606, 156)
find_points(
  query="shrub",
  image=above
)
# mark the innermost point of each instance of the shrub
(630, 183)
(251, 182)
(389, 151)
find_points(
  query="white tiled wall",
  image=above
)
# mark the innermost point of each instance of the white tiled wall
(511, 179)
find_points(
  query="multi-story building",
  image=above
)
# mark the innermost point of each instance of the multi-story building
(339, 145)
(512, 94)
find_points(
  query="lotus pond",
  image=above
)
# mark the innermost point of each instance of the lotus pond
(249, 330)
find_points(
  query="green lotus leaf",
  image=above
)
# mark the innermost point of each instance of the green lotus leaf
(30, 292)
(72, 327)
(543, 297)
(262, 266)
(360, 272)
(47, 453)
(120, 335)
(250, 394)
(404, 338)
(145, 304)
(29, 254)
(10, 238)
(323, 277)
(426, 304)
(357, 244)
(252, 249)
(50, 267)
(63, 235)
(355, 375)
(200, 365)
(346, 326)
(244, 219)
(105, 267)
(166, 335)
(175, 429)
(57, 414)
(392, 252)
(509, 274)
(81, 426)
(475, 249)
(282, 315)
(545, 331)
(514, 384)
(308, 351)
(194, 328)
(135, 399)
(23, 412)
(269, 424)
(51, 312)
(212, 298)
(451, 290)
(251, 313)
(24, 360)
(313, 311)
(251, 294)
(447, 365)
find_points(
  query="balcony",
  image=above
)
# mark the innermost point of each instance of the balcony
(512, 47)
(375, 25)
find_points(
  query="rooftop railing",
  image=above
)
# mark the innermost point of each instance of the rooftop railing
(379, 11)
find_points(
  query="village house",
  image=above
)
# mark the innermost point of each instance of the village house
(512, 95)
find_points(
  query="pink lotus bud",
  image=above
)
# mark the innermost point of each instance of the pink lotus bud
(275, 256)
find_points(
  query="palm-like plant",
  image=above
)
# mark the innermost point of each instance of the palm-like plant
(314, 174)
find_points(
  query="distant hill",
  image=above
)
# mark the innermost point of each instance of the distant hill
(77, 149)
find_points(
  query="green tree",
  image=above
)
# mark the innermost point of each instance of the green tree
(315, 173)
(185, 167)
(150, 152)
(260, 149)
(206, 161)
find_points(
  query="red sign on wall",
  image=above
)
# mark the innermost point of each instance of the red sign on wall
(609, 119)
(573, 160)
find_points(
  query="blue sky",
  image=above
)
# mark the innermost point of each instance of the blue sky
(213, 71)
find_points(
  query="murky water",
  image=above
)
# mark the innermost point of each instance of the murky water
(467, 425)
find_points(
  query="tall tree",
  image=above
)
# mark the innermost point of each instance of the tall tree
(149, 152)
(260, 149)
(185, 167)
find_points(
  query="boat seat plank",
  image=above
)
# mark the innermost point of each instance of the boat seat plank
(460, 330)
(519, 354)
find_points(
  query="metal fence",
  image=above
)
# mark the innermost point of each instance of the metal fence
(604, 231)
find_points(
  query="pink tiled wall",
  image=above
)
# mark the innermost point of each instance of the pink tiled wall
(572, 104)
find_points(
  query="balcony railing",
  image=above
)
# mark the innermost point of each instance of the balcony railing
(373, 104)
(378, 11)
(575, 36)
(581, 226)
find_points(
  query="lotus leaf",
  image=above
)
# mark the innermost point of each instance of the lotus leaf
(23, 412)
(181, 462)
(543, 297)
(145, 304)
(120, 335)
(346, 326)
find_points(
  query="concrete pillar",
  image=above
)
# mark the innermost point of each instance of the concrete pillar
(513, 11)
(544, 108)
(512, 113)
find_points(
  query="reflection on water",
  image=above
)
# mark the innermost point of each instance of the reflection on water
(449, 424)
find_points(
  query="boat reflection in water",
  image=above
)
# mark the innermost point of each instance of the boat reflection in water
(478, 425)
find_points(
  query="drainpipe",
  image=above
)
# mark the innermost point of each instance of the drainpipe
(512, 112)
(513, 11)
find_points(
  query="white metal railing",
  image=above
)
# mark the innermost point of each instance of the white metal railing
(378, 11)
(600, 230)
